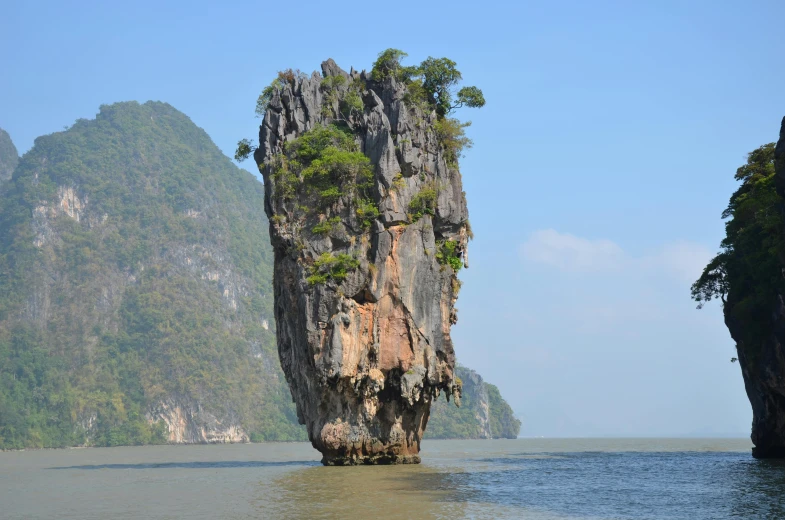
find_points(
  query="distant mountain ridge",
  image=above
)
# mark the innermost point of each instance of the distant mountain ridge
(483, 414)
(9, 157)
(135, 291)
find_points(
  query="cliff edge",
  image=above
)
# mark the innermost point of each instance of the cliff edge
(762, 354)
(748, 275)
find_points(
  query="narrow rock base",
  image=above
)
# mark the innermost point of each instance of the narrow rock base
(380, 460)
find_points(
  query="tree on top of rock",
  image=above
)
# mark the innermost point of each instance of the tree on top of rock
(435, 79)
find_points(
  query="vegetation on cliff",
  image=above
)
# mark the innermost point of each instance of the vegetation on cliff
(430, 86)
(369, 228)
(135, 276)
(433, 81)
(318, 168)
(747, 274)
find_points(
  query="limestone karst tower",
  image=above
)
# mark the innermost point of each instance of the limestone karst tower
(369, 225)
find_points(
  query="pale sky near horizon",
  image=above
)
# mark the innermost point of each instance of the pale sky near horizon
(601, 164)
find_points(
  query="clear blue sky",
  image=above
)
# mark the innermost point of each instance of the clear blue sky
(602, 162)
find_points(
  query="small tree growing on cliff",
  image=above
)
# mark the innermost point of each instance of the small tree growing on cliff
(749, 258)
(245, 147)
(433, 84)
(439, 79)
(435, 78)
(747, 274)
(388, 64)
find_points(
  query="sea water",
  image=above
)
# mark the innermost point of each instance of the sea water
(523, 478)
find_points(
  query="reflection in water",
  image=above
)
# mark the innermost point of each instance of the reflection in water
(358, 492)
(758, 489)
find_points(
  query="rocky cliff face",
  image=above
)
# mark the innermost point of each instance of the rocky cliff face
(472, 382)
(9, 157)
(188, 422)
(762, 357)
(364, 279)
(764, 381)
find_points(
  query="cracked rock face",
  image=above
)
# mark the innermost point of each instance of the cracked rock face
(364, 352)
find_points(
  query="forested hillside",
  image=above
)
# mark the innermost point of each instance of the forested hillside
(135, 301)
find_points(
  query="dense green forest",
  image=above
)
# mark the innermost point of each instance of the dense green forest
(134, 269)
(136, 279)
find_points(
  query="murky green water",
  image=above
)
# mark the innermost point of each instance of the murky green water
(524, 478)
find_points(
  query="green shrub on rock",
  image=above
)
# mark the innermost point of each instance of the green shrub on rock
(331, 267)
(388, 64)
(367, 212)
(424, 203)
(326, 227)
(447, 254)
(325, 161)
(452, 136)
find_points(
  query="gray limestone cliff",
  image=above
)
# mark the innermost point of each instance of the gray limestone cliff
(9, 157)
(364, 278)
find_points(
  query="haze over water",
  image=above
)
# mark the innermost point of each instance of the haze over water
(523, 478)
